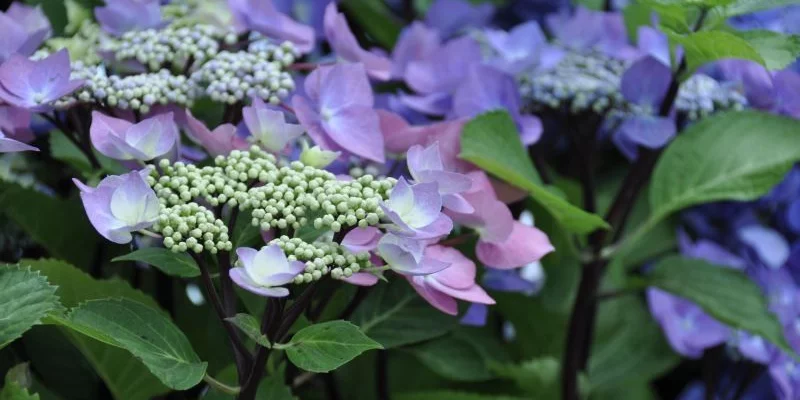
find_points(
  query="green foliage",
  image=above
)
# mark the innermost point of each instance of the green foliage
(125, 376)
(463, 355)
(539, 377)
(58, 225)
(248, 324)
(394, 315)
(452, 395)
(777, 50)
(731, 156)
(326, 346)
(725, 294)
(491, 141)
(704, 47)
(718, 15)
(17, 383)
(146, 333)
(25, 298)
(376, 19)
(169, 262)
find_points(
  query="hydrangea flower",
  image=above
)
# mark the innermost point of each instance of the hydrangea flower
(262, 16)
(645, 84)
(338, 112)
(263, 271)
(453, 16)
(346, 47)
(425, 166)
(120, 205)
(120, 16)
(406, 256)
(522, 48)
(34, 85)
(124, 140)
(687, 327)
(437, 77)
(359, 240)
(269, 127)
(503, 242)
(442, 288)
(23, 28)
(219, 142)
(416, 211)
(592, 30)
(15, 123)
(485, 89)
(8, 145)
(416, 42)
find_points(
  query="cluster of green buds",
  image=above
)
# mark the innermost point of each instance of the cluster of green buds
(285, 196)
(233, 77)
(138, 92)
(580, 82)
(171, 46)
(192, 227)
(322, 258)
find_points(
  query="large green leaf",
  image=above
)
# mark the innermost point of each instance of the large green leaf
(327, 346)
(741, 7)
(395, 315)
(376, 19)
(58, 225)
(539, 377)
(169, 262)
(25, 298)
(462, 355)
(147, 333)
(732, 156)
(777, 50)
(249, 325)
(491, 141)
(704, 47)
(125, 376)
(725, 294)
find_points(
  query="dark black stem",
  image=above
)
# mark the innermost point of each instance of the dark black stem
(331, 388)
(361, 294)
(382, 374)
(608, 5)
(241, 355)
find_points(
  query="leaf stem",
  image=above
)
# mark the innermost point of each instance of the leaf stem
(227, 389)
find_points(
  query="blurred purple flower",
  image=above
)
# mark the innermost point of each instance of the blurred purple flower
(263, 271)
(120, 205)
(689, 330)
(406, 256)
(143, 141)
(486, 89)
(22, 29)
(416, 42)
(592, 30)
(262, 16)
(15, 123)
(338, 112)
(8, 145)
(120, 16)
(522, 49)
(346, 47)
(645, 84)
(437, 77)
(34, 85)
(450, 17)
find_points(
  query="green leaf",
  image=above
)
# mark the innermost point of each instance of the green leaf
(733, 156)
(270, 388)
(125, 376)
(491, 142)
(244, 233)
(58, 225)
(250, 327)
(704, 47)
(25, 298)
(725, 294)
(777, 50)
(538, 377)
(376, 19)
(741, 7)
(461, 355)
(451, 395)
(636, 15)
(632, 349)
(147, 333)
(169, 262)
(533, 338)
(395, 315)
(327, 346)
